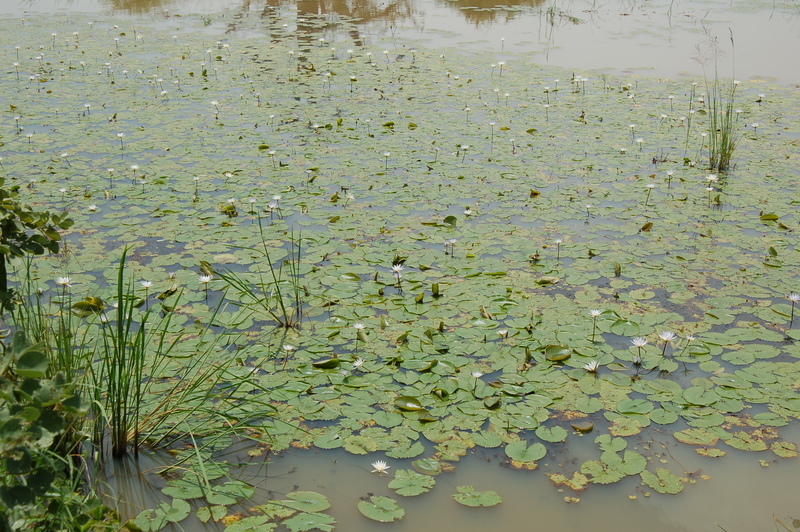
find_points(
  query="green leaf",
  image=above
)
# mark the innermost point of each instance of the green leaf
(381, 509)
(306, 501)
(408, 403)
(469, 496)
(256, 523)
(310, 521)
(663, 481)
(410, 483)
(520, 451)
(634, 406)
(32, 364)
(427, 466)
(551, 434)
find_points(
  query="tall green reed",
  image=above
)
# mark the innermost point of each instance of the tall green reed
(722, 134)
(278, 295)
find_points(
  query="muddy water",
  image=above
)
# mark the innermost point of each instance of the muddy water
(736, 493)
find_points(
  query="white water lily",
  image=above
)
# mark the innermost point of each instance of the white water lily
(639, 341)
(667, 336)
(592, 366)
(380, 467)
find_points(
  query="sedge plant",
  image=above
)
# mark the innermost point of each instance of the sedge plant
(276, 294)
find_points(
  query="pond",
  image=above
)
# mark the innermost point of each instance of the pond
(481, 244)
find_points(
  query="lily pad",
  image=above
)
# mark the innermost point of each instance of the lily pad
(521, 452)
(662, 481)
(410, 483)
(306, 501)
(427, 466)
(381, 509)
(469, 496)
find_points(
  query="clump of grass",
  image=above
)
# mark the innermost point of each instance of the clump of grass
(721, 99)
(721, 125)
(278, 294)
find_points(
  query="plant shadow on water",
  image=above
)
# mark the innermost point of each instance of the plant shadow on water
(455, 262)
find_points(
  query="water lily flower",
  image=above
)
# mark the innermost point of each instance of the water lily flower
(380, 467)
(359, 326)
(63, 281)
(794, 298)
(592, 366)
(358, 362)
(147, 284)
(667, 336)
(639, 341)
(477, 374)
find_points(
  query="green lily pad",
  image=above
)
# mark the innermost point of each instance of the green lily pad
(407, 403)
(551, 434)
(556, 353)
(427, 466)
(582, 425)
(662, 481)
(634, 406)
(305, 521)
(306, 501)
(469, 496)
(381, 509)
(410, 483)
(521, 452)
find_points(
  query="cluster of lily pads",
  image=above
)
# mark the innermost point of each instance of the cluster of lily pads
(496, 254)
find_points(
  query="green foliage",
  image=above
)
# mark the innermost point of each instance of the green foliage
(25, 231)
(469, 496)
(722, 135)
(40, 484)
(279, 295)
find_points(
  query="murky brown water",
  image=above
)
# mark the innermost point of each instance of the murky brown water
(735, 493)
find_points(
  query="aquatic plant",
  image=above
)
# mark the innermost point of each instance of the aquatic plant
(278, 295)
(24, 231)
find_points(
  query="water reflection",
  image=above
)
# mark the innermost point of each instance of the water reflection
(487, 12)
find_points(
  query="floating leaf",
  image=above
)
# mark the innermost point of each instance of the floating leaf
(601, 473)
(784, 449)
(582, 425)
(306, 501)
(662, 481)
(408, 403)
(427, 466)
(469, 496)
(410, 483)
(577, 482)
(381, 509)
(634, 406)
(327, 363)
(304, 521)
(696, 437)
(551, 434)
(663, 417)
(555, 353)
(520, 451)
